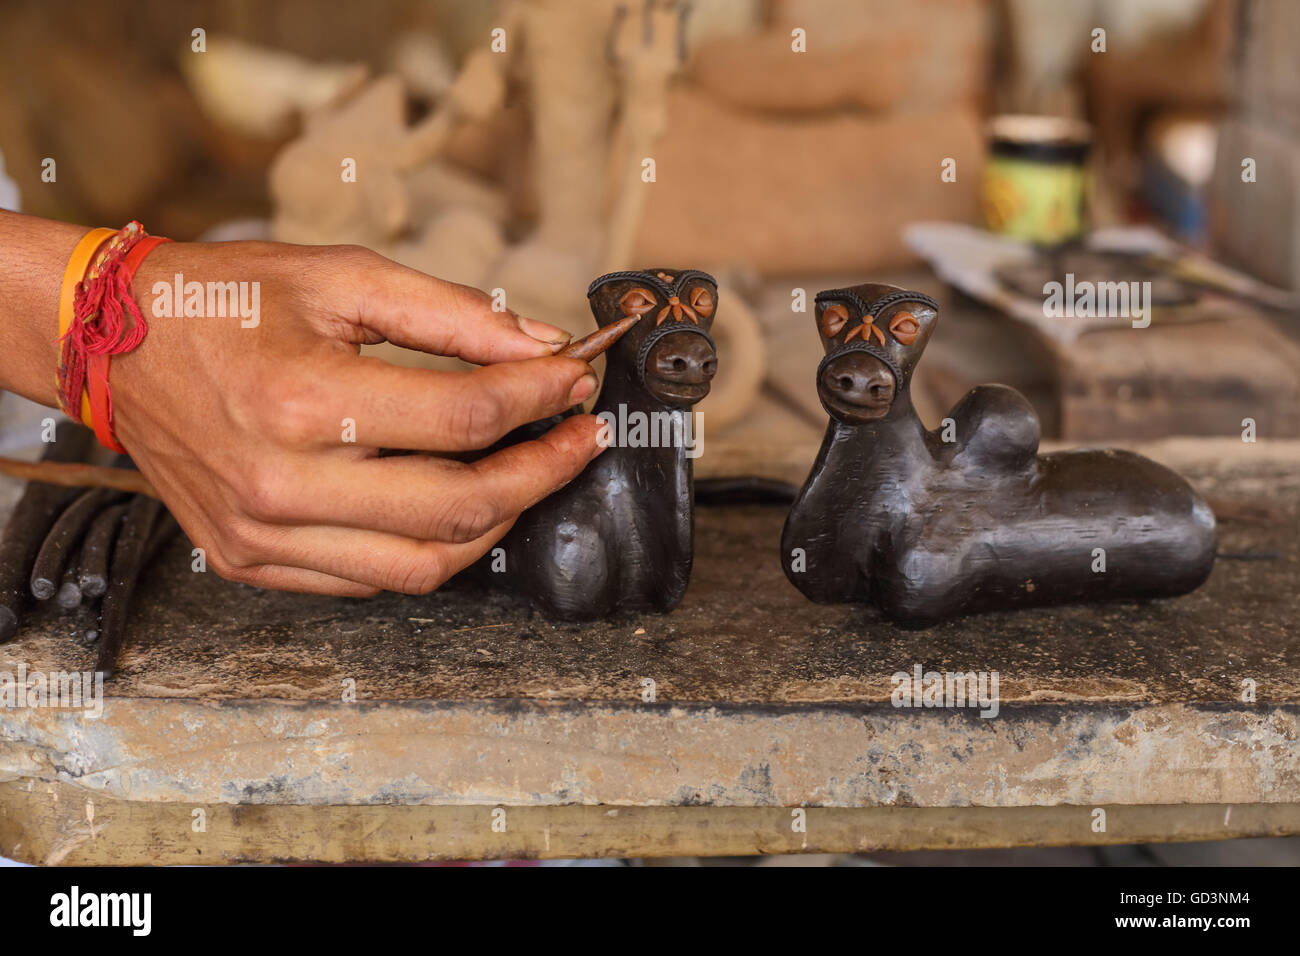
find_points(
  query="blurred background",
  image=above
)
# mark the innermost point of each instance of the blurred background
(970, 148)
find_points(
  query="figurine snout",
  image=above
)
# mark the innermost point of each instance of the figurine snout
(857, 387)
(685, 358)
(680, 367)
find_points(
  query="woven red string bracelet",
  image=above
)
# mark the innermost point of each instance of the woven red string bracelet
(106, 322)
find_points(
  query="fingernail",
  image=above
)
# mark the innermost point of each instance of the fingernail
(583, 389)
(542, 332)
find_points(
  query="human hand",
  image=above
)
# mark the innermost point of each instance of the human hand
(245, 431)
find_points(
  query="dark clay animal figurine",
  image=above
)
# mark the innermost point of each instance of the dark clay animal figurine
(619, 537)
(927, 528)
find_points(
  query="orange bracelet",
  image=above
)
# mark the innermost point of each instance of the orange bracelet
(99, 318)
(78, 262)
(101, 399)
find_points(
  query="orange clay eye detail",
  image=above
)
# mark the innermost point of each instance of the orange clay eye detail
(833, 320)
(905, 327)
(702, 302)
(637, 302)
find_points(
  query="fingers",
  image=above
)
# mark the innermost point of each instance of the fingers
(367, 560)
(278, 578)
(417, 311)
(220, 552)
(389, 406)
(431, 499)
(401, 524)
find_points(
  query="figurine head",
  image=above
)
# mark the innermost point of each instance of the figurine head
(674, 356)
(873, 335)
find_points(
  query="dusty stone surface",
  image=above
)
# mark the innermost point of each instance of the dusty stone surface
(229, 694)
(743, 633)
(517, 753)
(48, 824)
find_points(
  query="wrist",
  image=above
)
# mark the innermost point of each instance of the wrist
(31, 277)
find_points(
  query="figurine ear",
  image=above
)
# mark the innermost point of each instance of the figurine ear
(636, 301)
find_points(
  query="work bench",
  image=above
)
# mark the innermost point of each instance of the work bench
(253, 726)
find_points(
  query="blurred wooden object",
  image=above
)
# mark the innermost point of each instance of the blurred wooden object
(1256, 225)
(1268, 70)
(742, 362)
(1190, 69)
(571, 92)
(477, 93)
(647, 49)
(318, 199)
(761, 73)
(46, 824)
(103, 94)
(647, 45)
(141, 126)
(401, 200)
(825, 194)
(263, 92)
(1200, 378)
(877, 55)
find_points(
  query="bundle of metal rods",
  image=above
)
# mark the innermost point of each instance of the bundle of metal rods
(79, 546)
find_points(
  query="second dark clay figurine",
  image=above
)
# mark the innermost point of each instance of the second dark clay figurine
(969, 517)
(619, 537)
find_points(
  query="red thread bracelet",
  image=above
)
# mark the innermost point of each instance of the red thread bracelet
(100, 329)
(101, 397)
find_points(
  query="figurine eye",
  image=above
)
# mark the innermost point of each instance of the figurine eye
(637, 302)
(833, 320)
(702, 302)
(905, 327)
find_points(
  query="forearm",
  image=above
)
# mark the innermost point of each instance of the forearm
(33, 254)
